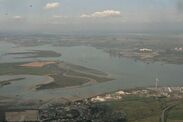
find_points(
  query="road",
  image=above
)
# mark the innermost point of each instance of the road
(163, 115)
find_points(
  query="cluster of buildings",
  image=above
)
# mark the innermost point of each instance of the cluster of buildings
(89, 109)
(178, 49)
(59, 113)
(174, 92)
(80, 111)
(145, 50)
(108, 97)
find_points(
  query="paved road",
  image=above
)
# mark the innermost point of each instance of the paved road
(163, 115)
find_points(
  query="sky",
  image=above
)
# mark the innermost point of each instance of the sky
(84, 15)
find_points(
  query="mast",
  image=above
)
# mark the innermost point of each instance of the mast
(156, 83)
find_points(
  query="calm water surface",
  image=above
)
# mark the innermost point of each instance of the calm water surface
(127, 72)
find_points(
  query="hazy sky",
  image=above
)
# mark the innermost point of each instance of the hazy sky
(60, 15)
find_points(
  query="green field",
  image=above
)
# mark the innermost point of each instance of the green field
(95, 77)
(140, 109)
(176, 113)
(62, 81)
(88, 70)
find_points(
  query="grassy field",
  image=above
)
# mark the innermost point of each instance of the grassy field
(97, 78)
(176, 114)
(140, 109)
(16, 69)
(87, 70)
(62, 81)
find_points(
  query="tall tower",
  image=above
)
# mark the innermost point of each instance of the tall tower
(156, 83)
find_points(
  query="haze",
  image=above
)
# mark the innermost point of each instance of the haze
(91, 15)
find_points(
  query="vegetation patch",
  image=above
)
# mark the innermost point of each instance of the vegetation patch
(36, 54)
(138, 109)
(64, 74)
(176, 113)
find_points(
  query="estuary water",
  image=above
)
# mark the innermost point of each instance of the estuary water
(126, 72)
